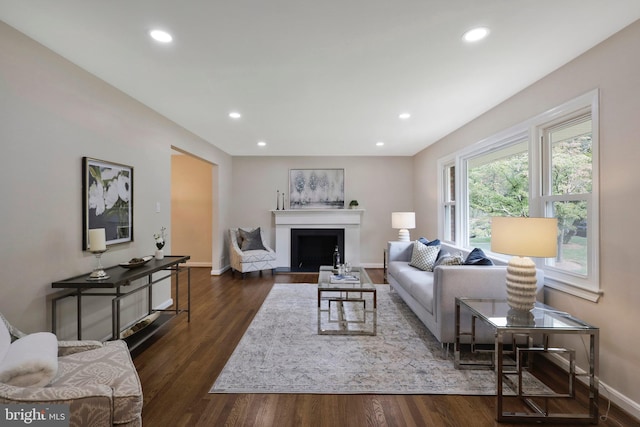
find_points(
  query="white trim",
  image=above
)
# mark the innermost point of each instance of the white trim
(220, 271)
(588, 294)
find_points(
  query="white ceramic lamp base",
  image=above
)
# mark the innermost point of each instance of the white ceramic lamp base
(403, 235)
(521, 283)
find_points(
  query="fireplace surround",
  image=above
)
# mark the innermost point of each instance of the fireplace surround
(346, 219)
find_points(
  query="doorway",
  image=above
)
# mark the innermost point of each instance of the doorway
(192, 215)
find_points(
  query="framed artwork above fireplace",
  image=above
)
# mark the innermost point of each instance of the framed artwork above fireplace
(316, 188)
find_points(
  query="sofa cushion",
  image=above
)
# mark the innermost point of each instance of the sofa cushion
(250, 240)
(424, 256)
(416, 282)
(477, 257)
(117, 371)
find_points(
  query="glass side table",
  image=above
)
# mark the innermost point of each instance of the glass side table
(543, 321)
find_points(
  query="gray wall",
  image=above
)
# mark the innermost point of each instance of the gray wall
(614, 69)
(380, 184)
(53, 113)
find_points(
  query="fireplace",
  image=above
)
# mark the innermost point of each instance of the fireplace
(313, 247)
(347, 220)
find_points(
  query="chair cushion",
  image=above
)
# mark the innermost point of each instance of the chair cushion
(250, 240)
(112, 366)
(258, 256)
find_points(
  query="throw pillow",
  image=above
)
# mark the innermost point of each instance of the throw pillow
(425, 241)
(477, 257)
(251, 240)
(32, 361)
(449, 259)
(423, 256)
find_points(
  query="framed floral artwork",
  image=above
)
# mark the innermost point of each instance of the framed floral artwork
(107, 200)
(316, 188)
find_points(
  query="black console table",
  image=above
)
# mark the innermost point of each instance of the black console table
(116, 286)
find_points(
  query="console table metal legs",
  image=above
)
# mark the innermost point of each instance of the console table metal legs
(118, 295)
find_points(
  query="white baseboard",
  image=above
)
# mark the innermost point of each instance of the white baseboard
(220, 271)
(628, 405)
(372, 265)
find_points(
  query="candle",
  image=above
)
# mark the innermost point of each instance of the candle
(97, 240)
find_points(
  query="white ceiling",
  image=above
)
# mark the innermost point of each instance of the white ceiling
(324, 77)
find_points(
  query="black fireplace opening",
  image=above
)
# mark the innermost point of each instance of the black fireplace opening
(313, 247)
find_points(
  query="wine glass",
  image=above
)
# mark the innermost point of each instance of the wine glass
(347, 268)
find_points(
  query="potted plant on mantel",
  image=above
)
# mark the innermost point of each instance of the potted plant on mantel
(353, 204)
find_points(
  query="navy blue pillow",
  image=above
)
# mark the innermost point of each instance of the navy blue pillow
(426, 241)
(477, 257)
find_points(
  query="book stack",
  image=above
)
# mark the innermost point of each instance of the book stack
(344, 278)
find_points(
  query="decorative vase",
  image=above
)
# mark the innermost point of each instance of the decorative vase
(159, 254)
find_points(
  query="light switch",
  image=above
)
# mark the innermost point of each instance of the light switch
(157, 207)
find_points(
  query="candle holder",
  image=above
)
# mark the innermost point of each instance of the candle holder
(98, 273)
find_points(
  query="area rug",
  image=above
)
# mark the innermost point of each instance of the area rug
(281, 352)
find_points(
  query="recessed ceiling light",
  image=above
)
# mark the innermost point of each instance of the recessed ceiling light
(379, 143)
(235, 115)
(261, 143)
(161, 36)
(475, 34)
(404, 116)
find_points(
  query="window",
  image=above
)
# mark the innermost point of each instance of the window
(449, 202)
(497, 185)
(546, 166)
(567, 147)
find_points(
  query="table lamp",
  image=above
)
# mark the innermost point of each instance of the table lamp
(97, 246)
(403, 221)
(523, 237)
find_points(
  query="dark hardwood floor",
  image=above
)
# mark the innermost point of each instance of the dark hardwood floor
(179, 364)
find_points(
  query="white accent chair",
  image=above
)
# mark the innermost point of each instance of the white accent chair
(245, 261)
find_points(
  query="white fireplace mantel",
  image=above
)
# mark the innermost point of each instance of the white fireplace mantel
(348, 219)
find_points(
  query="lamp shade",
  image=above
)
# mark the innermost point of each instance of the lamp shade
(525, 237)
(403, 220)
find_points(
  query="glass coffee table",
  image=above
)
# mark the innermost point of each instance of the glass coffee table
(346, 308)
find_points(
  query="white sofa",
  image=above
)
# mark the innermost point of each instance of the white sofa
(431, 295)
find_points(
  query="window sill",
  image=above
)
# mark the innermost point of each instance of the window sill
(588, 294)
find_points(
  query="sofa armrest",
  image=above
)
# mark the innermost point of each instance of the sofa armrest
(451, 282)
(399, 251)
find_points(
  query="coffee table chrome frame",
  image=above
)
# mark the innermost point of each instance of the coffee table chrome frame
(351, 293)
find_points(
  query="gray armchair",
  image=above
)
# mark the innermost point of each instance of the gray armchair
(98, 381)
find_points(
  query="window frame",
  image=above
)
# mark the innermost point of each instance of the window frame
(533, 129)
